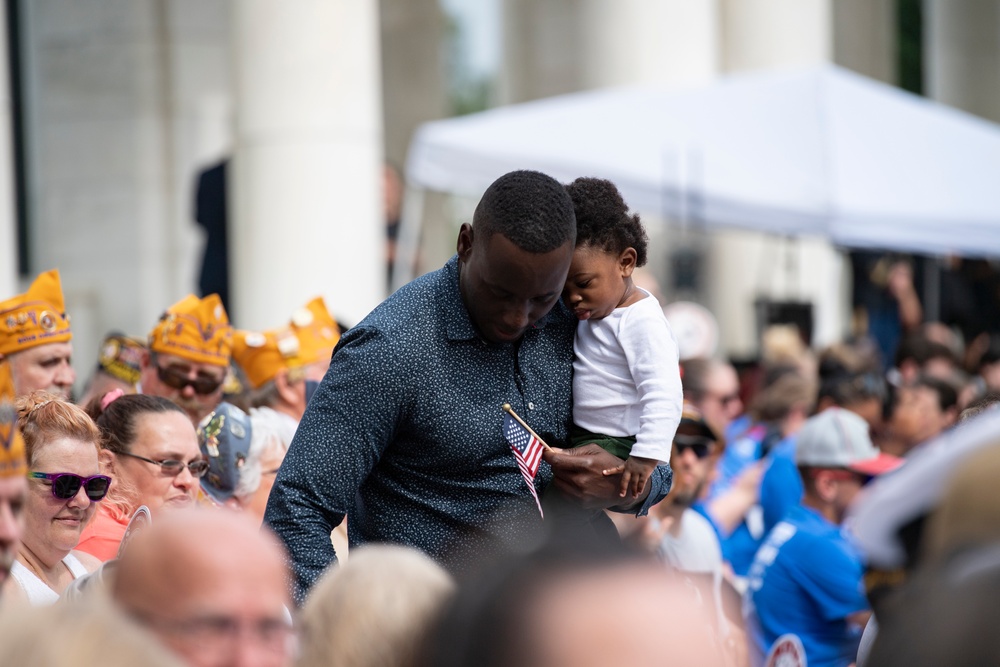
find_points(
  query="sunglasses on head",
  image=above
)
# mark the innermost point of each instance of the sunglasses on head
(699, 446)
(176, 379)
(66, 485)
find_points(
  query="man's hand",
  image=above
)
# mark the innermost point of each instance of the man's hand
(579, 474)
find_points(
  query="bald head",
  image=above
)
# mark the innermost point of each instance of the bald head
(212, 585)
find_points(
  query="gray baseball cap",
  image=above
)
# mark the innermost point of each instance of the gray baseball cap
(838, 438)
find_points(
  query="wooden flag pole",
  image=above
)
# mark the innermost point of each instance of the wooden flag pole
(509, 410)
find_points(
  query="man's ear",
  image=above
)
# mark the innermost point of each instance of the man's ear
(464, 245)
(825, 484)
(626, 262)
(145, 359)
(287, 389)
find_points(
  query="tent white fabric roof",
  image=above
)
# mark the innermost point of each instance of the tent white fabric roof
(809, 151)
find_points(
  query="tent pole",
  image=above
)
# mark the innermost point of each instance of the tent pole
(932, 289)
(408, 242)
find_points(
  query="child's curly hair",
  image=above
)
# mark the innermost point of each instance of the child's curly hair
(603, 219)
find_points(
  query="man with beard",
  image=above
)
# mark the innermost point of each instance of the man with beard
(690, 543)
(188, 358)
(13, 487)
(35, 348)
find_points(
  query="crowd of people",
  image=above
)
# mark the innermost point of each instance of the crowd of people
(321, 495)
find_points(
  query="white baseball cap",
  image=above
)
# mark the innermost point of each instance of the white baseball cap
(838, 438)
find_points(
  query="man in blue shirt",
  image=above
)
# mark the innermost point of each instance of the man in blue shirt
(806, 577)
(405, 434)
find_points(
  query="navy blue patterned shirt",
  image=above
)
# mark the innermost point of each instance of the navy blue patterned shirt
(405, 433)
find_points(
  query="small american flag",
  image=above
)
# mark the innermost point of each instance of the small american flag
(527, 452)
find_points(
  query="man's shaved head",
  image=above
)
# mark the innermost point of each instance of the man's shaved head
(211, 585)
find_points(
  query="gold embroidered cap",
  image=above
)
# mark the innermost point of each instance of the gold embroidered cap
(36, 317)
(309, 337)
(195, 329)
(121, 357)
(12, 454)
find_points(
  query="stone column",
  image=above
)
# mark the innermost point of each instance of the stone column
(962, 54)
(864, 37)
(638, 41)
(8, 217)
(541, 50)
(767, 33)
(307, 214)
(745, 265)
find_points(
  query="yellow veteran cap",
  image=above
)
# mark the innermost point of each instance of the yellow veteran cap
(196, 329)
(121, 357)
(12, 455)
(36, 317)
(310, 337)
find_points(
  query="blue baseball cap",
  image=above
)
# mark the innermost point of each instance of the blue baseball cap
(224, 437)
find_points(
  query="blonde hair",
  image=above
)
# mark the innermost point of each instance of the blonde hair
(91, 632)
(43, 417)
(375, 611)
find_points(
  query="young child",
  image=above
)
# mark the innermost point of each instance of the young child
(627, 394)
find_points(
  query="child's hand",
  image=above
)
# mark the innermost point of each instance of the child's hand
(635, 472)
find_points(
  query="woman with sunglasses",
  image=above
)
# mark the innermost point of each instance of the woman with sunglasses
(65, 485)
(150, 449)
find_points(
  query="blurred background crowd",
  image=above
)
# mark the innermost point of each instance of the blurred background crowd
(199, 197)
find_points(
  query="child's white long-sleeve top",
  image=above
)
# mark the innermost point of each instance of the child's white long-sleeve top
(626, 378)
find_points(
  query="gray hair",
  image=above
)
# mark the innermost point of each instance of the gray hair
(265, 440)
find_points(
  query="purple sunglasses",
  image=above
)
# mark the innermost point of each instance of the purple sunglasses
(65, 485)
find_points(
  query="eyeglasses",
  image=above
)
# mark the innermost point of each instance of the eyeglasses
(176, 379)
(66, 485)
(725, 400)
(700, 447)
(215, 634)
(173, 467)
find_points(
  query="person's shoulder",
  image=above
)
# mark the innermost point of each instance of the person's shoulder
(813, 535)
(698, 524)
(646, 315)
(415, 309)
(416, 299)
(88, 561)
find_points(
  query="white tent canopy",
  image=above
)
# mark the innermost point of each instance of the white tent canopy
(811, 151)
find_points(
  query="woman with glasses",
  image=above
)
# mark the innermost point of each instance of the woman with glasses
(65, 486)
(150, 449)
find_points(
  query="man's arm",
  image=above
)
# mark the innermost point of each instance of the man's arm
(579, 474)
(343, 434)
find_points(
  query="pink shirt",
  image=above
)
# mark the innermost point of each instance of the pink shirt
(102, 535)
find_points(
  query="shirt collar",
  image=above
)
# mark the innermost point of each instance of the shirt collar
(452, 308)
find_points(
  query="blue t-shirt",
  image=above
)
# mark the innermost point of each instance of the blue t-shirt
(781, 487)
(806, 580)
(740, 546)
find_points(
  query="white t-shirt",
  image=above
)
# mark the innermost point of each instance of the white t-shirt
(693, 548)
(626, 378)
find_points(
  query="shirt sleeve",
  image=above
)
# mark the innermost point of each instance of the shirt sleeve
(346, 429)
(660, 481)
(652, 357)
